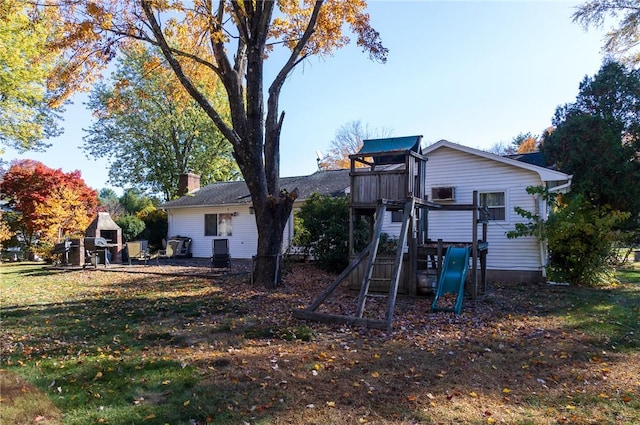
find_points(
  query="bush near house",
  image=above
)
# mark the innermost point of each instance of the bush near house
(582, 238)
(156, 226)
(324, 231)
(582, 243)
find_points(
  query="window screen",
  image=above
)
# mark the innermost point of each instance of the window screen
(495, 203)
(224, 225)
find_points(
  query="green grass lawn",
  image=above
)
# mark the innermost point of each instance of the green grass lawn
(123, 348)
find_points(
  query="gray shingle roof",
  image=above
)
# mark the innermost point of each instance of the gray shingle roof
(535, 158)
(330, 182)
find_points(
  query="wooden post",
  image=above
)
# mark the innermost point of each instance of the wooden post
(439, 252)
(474, 247)
(395, 277)
(483, 257)
(412, 279)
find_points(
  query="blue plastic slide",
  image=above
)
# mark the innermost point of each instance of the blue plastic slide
(452, 278)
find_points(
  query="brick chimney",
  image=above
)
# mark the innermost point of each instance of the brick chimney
(188, 183)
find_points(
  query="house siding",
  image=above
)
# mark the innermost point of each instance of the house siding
(453, 165)
(243, 242)
(466, 172)
(190, 222)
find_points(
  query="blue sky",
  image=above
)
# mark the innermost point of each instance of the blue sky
(475, 73)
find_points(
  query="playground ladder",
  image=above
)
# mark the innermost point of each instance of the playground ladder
(397, 266)
(371, 250)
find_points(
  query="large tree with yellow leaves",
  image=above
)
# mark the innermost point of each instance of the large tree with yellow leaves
(28, 115)
(231, 40)
(152, 131)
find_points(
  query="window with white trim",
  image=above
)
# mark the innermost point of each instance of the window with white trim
(224, 225)
(218, 225)
(211, 224)
(495, 204)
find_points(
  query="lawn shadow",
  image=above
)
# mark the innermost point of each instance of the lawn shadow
(171, 348)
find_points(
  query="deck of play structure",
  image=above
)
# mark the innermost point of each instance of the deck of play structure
(390, 175)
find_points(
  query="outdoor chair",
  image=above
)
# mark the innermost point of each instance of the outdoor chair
(220, 256)
(183, 249)
(170, 250)
(91, 258)
(137, 250)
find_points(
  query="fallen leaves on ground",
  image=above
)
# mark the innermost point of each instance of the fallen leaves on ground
(510, 356)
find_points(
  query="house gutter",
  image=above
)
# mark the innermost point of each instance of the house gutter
(562, 188)
(235, 204)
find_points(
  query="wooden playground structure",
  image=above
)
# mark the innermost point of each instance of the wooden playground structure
(390, 175)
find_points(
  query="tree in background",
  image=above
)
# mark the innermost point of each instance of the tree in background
(525, 143)
(522, 143)
(131, 226)
(597, 139)
(6, 233)
(65, 213)
(232, 40)
(622, 42)
(152, 131)
(52, 204)
(155, 226)
(500, 148)
(28, 112)
(133, 200)
(108, 202)
(348, 140)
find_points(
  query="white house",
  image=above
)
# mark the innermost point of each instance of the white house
(454, 172)
(223, 210)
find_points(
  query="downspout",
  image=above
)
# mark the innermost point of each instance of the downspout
(289, 233)
(542, 242)
(544, 251)
(169, 221)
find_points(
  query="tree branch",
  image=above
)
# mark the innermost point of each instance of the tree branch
(229, 133)
(273, 125)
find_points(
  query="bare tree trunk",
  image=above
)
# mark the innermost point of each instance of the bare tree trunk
(271, 219)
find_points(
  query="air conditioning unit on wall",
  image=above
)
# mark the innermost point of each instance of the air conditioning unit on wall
(443, 193)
